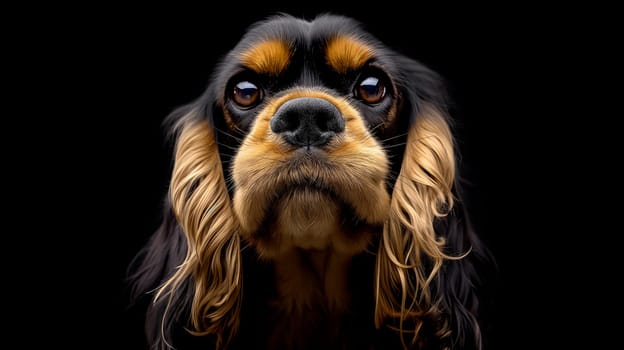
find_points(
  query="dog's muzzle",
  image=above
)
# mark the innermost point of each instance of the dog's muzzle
(307, 122)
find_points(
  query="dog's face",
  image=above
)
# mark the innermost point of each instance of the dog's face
(309, 98)
(316, 105)
(314, 136)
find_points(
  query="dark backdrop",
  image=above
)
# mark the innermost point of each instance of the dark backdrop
(127, 68)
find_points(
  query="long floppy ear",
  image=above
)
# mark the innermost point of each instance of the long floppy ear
(198, 242)
(425, 273)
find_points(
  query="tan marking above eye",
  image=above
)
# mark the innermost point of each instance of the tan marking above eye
(344, 54)
(269, 57)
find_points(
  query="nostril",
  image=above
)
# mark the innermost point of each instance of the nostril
(321, 121)
(327, 121)
(288, 121)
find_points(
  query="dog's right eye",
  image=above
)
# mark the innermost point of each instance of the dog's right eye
(246, 94)
(370, 90)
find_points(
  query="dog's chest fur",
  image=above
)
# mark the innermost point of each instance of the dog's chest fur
(316, 300)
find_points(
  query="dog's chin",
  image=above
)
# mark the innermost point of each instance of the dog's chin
(310, 217)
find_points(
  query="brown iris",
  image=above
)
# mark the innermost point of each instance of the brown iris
(246, 94)
(370, 90)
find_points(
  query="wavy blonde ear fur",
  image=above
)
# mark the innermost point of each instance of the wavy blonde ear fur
(203, 209)
(422, 193)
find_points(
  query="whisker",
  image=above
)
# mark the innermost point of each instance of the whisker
(245, 246)
(239, 130)
(225, 155)
(369, 135)
(394, 145)
(393, 175)
(229, 134)
(377, 126)
(394, 137)
(233, 148)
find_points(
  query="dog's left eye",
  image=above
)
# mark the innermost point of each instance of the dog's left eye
(371, 90)
(246, 94)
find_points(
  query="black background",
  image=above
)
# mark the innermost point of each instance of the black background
(111, 75)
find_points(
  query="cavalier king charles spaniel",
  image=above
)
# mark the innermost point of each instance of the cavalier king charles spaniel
(314, 203)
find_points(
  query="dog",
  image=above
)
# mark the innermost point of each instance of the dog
(314, 203)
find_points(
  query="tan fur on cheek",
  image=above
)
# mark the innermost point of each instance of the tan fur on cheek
(254, 186)
(361, 156)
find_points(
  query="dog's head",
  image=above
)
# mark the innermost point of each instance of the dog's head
(313, 135)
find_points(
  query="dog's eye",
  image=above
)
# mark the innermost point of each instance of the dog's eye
(370, 90)
(246, 94)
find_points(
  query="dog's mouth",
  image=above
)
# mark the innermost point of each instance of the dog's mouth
(309, 197)
(310, 205)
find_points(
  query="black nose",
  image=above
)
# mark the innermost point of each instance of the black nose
(307, 121)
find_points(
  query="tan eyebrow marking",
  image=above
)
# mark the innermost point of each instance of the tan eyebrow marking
(268, 57)
(345, 53)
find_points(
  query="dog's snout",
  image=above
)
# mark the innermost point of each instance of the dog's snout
(308, 121)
